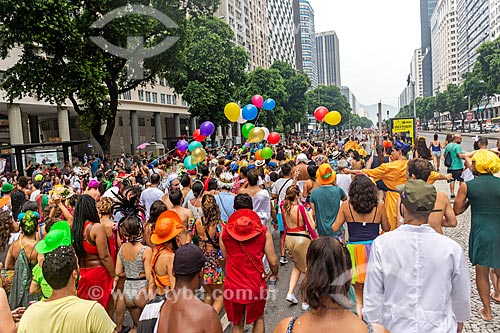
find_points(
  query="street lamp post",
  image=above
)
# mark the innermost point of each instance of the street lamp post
(414, 98)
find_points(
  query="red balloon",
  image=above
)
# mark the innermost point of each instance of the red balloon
(180, 153)
(273, 138)
(320, 113)
(197, 136)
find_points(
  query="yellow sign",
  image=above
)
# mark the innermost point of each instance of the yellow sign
(404, 125)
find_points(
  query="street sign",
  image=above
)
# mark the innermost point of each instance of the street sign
(469, 117)
(404, 127)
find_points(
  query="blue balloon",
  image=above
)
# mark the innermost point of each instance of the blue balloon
(188, 164)
(260, 146)
(249, 112)
(269, 104)
(193, 145)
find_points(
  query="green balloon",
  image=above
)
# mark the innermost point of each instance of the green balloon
(245, 129)
(193, 145)
(266, 153)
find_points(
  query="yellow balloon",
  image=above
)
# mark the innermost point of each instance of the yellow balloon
(333, 118)
(232, 112)
(256, 135)
(198, 155)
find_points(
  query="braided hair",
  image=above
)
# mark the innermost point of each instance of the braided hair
(28, 223)
(131, 223)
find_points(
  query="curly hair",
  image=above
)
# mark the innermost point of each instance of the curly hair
(327, 261)
(363, 194)
(29, 223)
(105, 206)
(132, 228)
(291, 193)
(5, 228)
(211, 212)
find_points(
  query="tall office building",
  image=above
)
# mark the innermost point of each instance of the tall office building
(353, 102)
(444, 35)
(308, 42)
(328, 59)
(473, 18)
(248, 20)
(495, 19)
(416, 72)
(281, 31)
(297, 34)
(426, 10)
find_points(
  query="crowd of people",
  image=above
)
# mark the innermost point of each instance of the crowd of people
(360, 220)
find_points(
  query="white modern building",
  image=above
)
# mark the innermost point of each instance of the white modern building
(353, 102)
(248, 19)
(416, 72)
(444, 37)
(308, 42)
(144, 115)
(474, 19)
(281, 31)
(328, 58)
(494, 19)
(406, 97)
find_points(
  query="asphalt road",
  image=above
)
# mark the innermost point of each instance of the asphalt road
(467, 139)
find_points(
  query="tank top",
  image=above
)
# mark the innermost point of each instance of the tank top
(363, 231)
(161, 281)
(435, 148)
(197, 211)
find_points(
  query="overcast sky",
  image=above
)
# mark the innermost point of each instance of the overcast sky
(377, 39)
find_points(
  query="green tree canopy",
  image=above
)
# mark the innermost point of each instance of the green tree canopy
(330, 97)
(59, 61)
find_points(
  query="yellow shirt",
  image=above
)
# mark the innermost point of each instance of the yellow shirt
(68, 314)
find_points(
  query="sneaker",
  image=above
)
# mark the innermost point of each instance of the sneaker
(292, 299)
(305, 307)
(283, 261)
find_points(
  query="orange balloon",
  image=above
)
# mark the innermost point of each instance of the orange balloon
(257, 155)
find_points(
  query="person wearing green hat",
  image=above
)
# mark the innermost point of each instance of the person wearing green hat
(59, 235)
(6, 190)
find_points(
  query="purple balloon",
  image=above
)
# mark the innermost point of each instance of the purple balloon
(207, 128)
(247, 145)
(182, 145)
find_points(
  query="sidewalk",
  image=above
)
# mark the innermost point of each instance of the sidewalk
(493, 136)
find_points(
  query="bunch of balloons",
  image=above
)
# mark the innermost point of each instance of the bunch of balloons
(249, 112)
(331, 118)
(198, 154)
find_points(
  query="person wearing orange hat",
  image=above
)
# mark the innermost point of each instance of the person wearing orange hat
(483, 194)
(325, 201)
(168, 235)
(243, 243)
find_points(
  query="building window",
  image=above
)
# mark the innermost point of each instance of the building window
(155, 97)
(148, 96)
(142, 122)
(141, 95)
(174, 99)
(169, 99)
(162, 98)
(120, 121)
(126, 95)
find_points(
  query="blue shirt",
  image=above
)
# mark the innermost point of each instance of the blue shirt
(225, 201)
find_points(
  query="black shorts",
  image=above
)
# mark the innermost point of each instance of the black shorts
(456, 175)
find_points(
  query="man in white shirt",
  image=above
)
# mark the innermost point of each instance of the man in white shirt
(343, 179)
(150, 195)
(417, 280)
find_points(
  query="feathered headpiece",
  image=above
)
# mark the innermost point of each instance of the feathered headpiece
(129, 208)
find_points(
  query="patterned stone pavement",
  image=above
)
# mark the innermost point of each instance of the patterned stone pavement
(461, 235)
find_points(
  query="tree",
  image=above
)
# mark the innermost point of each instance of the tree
(210, 69)
(366, 123)
(270, 84)
(331, 98)
(59, 61)
(296, 86)
(456, 104)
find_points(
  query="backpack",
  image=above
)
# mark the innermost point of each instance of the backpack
(447, 159)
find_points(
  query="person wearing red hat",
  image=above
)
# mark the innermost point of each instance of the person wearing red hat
(244, 241)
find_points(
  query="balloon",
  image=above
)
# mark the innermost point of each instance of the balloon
(245, 129)
(258, 156)
(193, 145)
(182, 145)
(266, 132)
(257, 100)
(198, 136)
(266, 153)
(207, 128)
(232, 112)
(198, 155)
(249, 112)
(333, 118)
(180, 153)
(256, 135)
(188, 164)
(247, 145)
(274, 138)
(269, 104)
(241, 120)
(320, 113)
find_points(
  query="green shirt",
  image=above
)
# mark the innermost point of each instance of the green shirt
(456, 162)
(38, 278)
(326, 200)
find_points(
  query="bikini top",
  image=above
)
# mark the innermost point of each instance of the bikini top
(360, 231)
